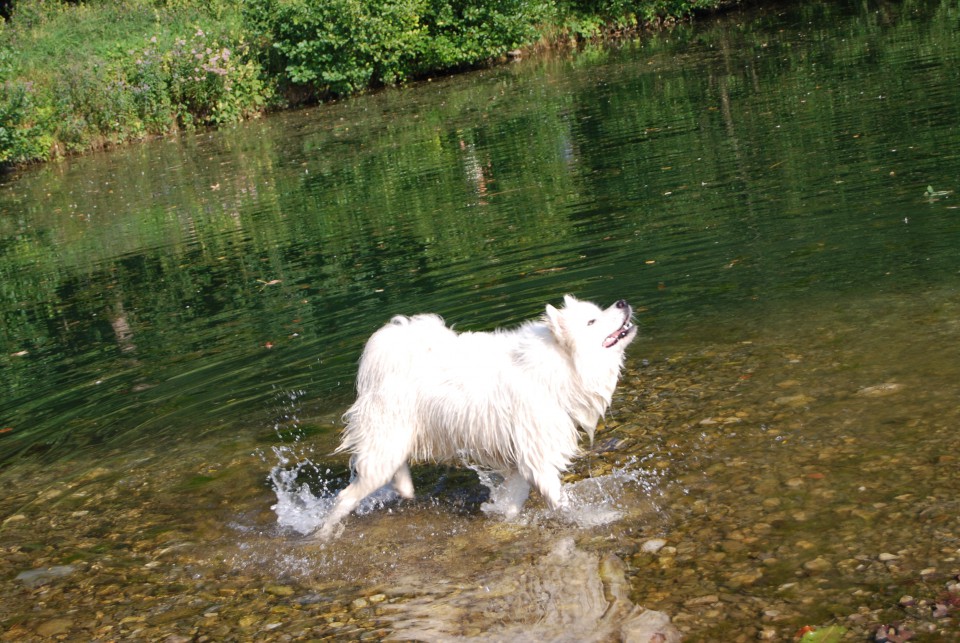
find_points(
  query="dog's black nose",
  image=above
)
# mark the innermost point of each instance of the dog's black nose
(622, 303)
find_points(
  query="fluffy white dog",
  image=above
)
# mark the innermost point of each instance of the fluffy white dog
(509, 400)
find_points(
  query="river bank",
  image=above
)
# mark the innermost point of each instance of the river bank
(82, 77)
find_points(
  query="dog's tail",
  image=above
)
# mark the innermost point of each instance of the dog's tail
(393, 358)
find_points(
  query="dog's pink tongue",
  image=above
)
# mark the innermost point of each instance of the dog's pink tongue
(611, 340)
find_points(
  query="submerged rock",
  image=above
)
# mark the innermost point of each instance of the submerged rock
(37, 577)
(653, 545)
(649, 626)
(880, 390)
(54, 627)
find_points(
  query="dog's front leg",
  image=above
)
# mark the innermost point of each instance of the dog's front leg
(347, 500)
(507, 498)
(402, 482)
(550, 487)
(516, 490)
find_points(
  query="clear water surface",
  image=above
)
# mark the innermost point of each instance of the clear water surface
(775, 192)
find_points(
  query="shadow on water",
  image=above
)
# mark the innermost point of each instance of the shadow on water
(774, 191)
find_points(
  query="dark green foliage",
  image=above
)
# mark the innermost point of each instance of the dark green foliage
(643, 11)
(343, 46)
(340, 46)
(464, 33)
(21, 123)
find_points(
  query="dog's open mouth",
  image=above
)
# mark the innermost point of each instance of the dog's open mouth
(618, 334)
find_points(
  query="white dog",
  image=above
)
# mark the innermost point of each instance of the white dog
(509, 400)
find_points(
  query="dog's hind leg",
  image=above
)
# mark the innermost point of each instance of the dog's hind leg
(369, 477)
(347, 501)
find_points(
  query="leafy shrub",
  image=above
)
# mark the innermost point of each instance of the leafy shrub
(93, 105)
(30, 14)
(22, 124)
(79, 75)
(468, 32)
(340, 46)
(623, 12)
(22, 131)
(149, 84)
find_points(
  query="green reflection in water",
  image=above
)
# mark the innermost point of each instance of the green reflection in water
(695, 172)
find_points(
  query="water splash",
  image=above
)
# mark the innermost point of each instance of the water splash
(591, 502)
(302, 506)
(298, 506)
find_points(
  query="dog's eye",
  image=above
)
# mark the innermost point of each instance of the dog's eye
(590, 323)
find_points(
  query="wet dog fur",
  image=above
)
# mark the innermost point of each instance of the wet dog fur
(511, 400)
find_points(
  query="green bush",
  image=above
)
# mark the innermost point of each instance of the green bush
(469, 32)
(23, 136)
(88, 75)
(149, 82)
(632, 12)
(93, 105)
(342, 46)
(339, 46)
(22, 124)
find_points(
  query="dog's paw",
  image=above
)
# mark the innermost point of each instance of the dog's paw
(505, 510)
(561, 504)
(328, 531)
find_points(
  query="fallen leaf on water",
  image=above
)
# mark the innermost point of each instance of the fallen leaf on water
(933, 194)
(830, 634)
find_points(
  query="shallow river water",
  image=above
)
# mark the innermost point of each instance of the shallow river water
(774, 191)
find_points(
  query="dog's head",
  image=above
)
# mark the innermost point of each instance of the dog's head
(584, 327)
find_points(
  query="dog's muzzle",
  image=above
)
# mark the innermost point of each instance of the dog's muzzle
(625, 329)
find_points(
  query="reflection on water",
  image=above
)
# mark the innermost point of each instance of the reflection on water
(182, 319)
(565, 595)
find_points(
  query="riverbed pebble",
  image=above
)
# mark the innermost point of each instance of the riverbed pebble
(54, 627)
(818, 565)
(653, 545)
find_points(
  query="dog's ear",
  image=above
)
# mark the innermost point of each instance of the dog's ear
(569, 300)
(557, 324)
(553, 316)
